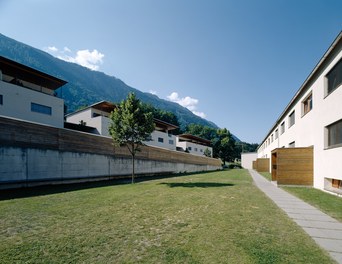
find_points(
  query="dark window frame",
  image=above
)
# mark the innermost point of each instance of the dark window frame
(307, 105)
(334, 135)
(292, 118)
(333, 78)
(1, 99)
(42, 109)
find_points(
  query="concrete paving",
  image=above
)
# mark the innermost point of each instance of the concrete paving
(325, 230)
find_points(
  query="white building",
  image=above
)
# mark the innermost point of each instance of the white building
(96, 118)
(194, 145)
(28, 94)
(313, 118)
(247, 159)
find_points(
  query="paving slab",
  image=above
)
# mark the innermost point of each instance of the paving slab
(323, 229)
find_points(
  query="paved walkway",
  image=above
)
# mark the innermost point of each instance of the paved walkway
(325, 230)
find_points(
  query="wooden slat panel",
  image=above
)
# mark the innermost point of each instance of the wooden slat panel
(25, 134)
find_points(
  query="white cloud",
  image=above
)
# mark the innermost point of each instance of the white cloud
(52, 49)
(188, 102)
(86, 58)
(153, 92)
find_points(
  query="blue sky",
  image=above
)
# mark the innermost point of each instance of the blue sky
(235, 62)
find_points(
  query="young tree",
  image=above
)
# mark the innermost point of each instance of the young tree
(131, 125)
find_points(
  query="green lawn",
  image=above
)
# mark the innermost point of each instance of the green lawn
(218, 217)
(328, 203)
(267, 175)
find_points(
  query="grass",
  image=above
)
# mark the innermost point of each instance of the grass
(267, 175)
(217, 217)
(328, 203)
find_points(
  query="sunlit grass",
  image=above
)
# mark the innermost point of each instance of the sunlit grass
(328, 203)
(218, 217)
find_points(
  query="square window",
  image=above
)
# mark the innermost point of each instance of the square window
(334, 134)
(170, 141)
(160, 140)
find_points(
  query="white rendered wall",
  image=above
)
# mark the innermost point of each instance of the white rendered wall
(247, 159)
(309, 130)
(196, 149)
(167, 140)
(17, 104)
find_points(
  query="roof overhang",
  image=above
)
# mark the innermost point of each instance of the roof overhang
(194, 139)
(162, 125)
(25, 73)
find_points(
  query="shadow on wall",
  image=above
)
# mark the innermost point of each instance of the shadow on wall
(196, 184)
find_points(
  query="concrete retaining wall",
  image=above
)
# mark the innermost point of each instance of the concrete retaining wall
(27, 167)
(32, 154)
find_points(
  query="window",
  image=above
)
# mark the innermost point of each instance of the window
(307, 105)
(282, 128)
(169, 135)
(335, 183)
(1, 102)
(276, 134)
(170, 141)
(43, 109)
(334, 78)
(195, 149)
(201, 150)
(272, 138)
(161, 140)
(189, 148)
(292, 144)
(335, 134)
(292, 119)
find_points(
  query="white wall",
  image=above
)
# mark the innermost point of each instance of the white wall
(193, 148)
(17, 104)
(247, 159)
(169, 140)
(309, 130)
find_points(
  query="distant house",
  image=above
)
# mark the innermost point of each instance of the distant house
(28, 94)
(311, 125)
(193, 144)
(96, 119)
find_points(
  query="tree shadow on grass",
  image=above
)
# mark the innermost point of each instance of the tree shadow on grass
(196, 184)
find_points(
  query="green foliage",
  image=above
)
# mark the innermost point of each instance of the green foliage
(207, 152)
(163, 115)
(131, 125)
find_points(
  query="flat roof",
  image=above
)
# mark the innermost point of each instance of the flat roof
(164, 125)
(28, 74)
(194, 139)
(328, 55)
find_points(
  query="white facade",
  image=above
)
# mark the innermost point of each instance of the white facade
(162, 140)
(26, 100)
(247, 159)
(193, 148)
(93, 118)
(97, 116)
(315, 110)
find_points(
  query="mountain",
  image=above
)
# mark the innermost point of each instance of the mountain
(85, 86)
